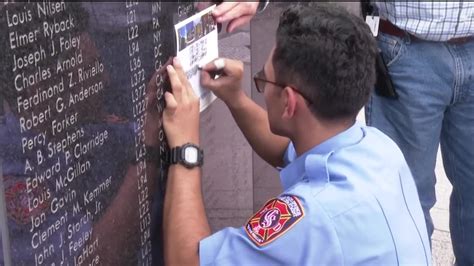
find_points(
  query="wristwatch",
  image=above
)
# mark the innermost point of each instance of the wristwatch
(189, 155)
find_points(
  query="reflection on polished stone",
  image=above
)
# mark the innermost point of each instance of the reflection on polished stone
(78, 111)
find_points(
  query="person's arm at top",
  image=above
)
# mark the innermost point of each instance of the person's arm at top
(237, 13)
(184, 218)
(249, 116)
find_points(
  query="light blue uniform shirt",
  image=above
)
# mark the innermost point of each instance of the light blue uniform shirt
(360, 206)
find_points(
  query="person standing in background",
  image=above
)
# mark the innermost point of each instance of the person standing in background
(428, 48)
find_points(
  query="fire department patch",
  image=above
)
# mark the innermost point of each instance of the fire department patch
(275, 218)
(19, 206)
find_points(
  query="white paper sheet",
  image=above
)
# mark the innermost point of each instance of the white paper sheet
(196, 43)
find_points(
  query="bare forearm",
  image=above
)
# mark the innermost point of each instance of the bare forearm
(185, 222)
(252, 120)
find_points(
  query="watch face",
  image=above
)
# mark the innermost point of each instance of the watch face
(191, 155)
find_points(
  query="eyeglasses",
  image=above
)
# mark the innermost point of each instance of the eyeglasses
(260, 80)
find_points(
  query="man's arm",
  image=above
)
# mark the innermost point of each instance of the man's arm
(249, 116)
(184, 218)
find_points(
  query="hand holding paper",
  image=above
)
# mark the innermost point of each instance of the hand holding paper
(236, 13)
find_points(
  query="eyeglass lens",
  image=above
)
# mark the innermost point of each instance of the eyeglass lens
(259, 80)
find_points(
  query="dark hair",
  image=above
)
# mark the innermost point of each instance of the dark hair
(329, 54)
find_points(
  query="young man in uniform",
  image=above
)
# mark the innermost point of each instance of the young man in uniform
(348, 198)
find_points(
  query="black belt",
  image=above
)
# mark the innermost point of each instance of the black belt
(388, 28)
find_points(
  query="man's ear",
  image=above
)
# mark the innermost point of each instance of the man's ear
(289, 98)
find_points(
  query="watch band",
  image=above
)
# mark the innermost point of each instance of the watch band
(174, 155)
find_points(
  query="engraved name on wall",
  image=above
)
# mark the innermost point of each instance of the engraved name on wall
(80, 104)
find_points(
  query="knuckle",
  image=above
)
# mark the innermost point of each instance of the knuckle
(177, 87)
(239, 68)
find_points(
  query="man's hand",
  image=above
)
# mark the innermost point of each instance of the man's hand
(228, 87)
(184, 215)
(236, 13)
(181, 115)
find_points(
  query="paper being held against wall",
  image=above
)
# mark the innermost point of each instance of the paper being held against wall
(196, 44)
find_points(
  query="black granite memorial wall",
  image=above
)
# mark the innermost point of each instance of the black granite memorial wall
(81, 177)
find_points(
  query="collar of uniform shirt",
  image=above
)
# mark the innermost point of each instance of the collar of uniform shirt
(298, 167)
